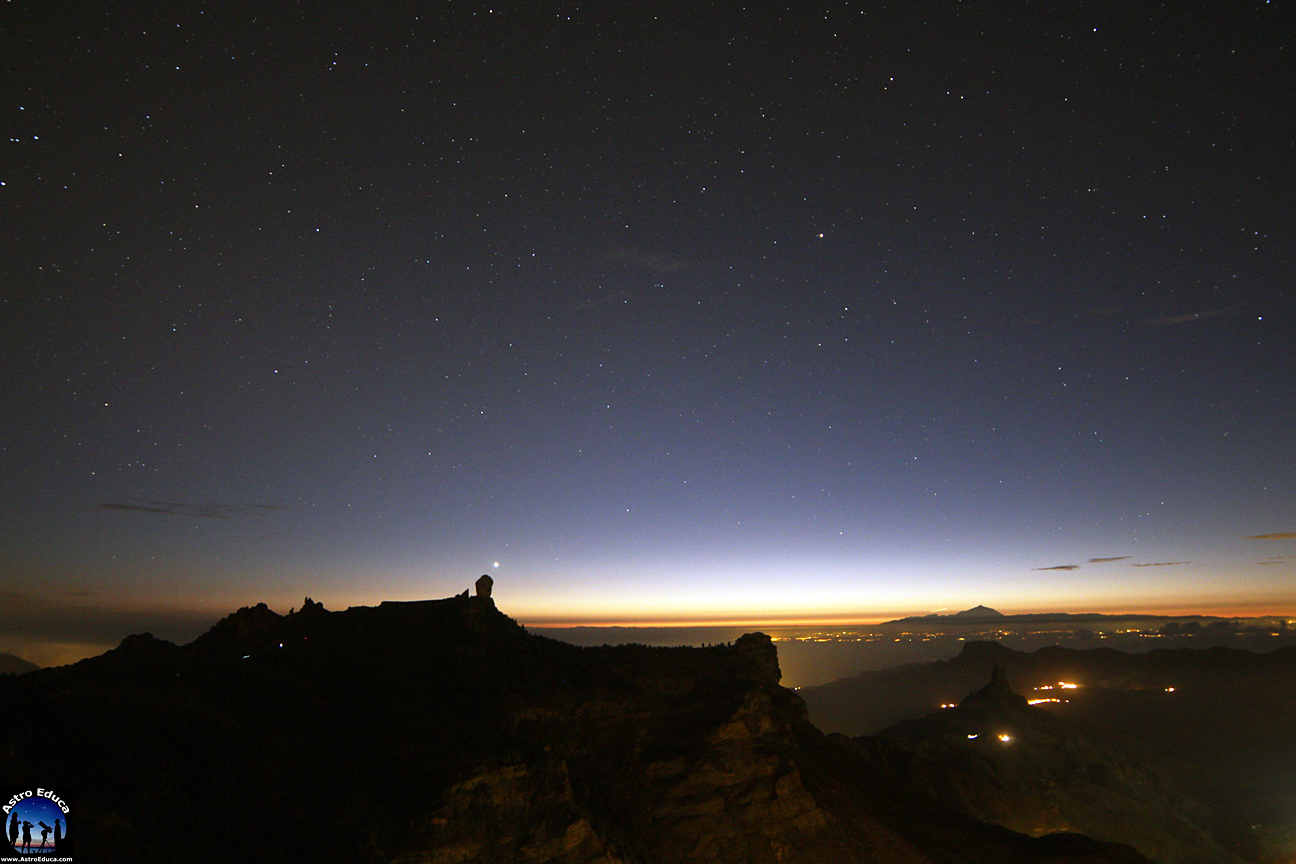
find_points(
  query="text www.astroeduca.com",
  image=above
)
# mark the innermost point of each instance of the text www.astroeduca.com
(35, 857)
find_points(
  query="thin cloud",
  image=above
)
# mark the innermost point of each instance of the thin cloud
(1059, 567)
(1171, 320)
(1162, 564)
(190, 509)
(1106, 560)
(133, 508)
(649, 261)
(1281, 535)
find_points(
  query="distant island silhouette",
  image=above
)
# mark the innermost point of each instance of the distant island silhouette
(978, 613)
(11, 664)
(985, 613)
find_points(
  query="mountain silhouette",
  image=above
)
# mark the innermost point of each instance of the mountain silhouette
(978, 613)
(998, 759)
(13, 665)
(443, 731)
(1217, 722)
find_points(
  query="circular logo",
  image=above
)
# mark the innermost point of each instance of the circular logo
(35, 825)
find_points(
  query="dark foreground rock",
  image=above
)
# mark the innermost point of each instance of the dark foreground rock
(1000, 760)
(443, 732)
(1221, 721)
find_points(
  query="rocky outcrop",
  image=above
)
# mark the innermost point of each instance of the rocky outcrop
(997, 696)
(520, 812)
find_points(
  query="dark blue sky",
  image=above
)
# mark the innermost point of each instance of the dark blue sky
(655, 312)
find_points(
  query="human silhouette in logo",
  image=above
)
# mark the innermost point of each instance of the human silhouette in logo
(45, 829)
(27, 826)
(13, 829)
(58, 832)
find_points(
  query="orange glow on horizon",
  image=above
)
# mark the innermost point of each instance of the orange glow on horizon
(541, 622)
(789, 621)
(547, 616)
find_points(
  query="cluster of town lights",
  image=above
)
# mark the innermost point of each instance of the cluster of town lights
(1061, 685)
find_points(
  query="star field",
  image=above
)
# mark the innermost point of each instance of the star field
(704, 313)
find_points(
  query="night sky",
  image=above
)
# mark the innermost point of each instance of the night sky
(655, 312)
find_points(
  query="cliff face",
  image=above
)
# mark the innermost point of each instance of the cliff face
(636, 754)
(657, 766)
(443, 732)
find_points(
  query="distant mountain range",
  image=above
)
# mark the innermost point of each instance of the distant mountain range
(1217, 722)
(442, 731)
(11, 665)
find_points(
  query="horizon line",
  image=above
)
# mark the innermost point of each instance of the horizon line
(546, 622)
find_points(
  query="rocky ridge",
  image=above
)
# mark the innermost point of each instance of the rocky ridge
(443, 732)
